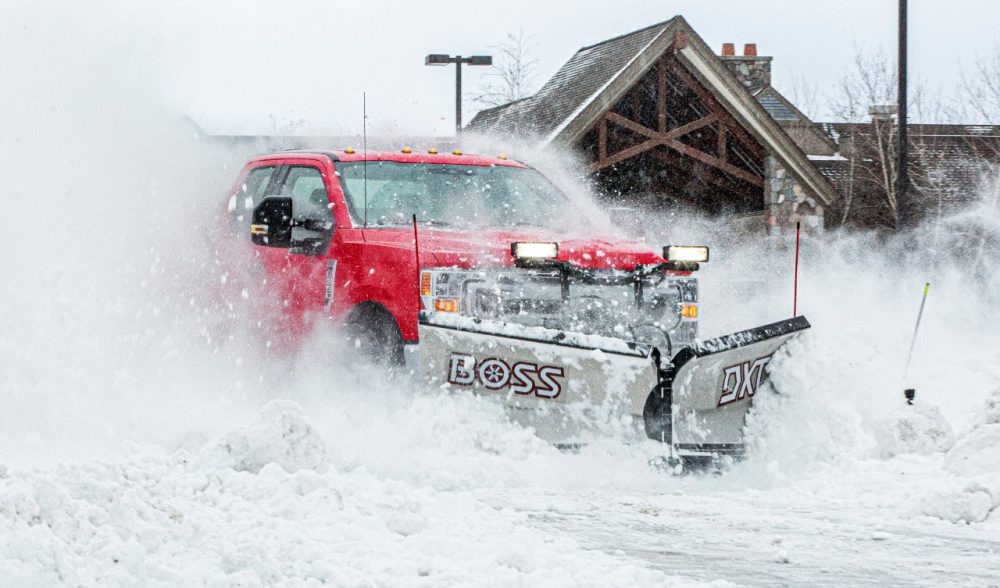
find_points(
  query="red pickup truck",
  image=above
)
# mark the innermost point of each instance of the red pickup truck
(509, 291)
(337, 232)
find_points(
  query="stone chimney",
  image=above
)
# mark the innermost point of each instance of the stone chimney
(753, 71)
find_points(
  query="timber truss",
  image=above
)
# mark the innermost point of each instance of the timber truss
(668, 120)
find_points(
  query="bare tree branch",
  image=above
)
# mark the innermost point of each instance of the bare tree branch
(805, 96)
(513, 72)
(866, 98)
(979, 90)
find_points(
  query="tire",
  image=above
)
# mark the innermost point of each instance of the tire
(374, 335)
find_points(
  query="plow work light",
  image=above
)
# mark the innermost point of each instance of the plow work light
(531, 251)
(695, 253)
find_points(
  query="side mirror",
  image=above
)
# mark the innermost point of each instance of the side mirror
(272, 222)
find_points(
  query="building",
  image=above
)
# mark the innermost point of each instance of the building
(947, 164)
(661, 120)
(657, 114)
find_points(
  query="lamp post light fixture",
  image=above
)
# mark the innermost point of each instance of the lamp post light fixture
(458, 60)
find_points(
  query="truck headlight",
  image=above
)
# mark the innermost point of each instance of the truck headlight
(533, 251)
(695, 253)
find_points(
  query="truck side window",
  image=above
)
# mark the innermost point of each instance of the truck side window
(250, 193)
(309, 197)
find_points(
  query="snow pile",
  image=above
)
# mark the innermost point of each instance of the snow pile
(970, 504)
(282, 434)
(161, 519)
(979, 451)
(914, 429)
(976, 457)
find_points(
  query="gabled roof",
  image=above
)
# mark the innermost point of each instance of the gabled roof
(576, 82)
(597, 76)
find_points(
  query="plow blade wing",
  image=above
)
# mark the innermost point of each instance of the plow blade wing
(711, 385)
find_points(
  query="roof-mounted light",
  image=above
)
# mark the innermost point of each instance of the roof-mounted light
(502, 157)
(432, 150)
(456, 152)
(349, 151)
(407, 150)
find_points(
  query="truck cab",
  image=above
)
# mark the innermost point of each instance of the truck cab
(337, 234)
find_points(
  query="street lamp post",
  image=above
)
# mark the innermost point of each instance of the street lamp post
(458, 60)
(903, 209)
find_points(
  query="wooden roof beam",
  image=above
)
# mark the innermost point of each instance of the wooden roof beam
(710, 101)
(715, 162)
(713, 177)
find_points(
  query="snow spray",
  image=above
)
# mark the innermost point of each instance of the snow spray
(910, 393)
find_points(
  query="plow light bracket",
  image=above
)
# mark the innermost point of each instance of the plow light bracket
(686, 253)
(530, 252)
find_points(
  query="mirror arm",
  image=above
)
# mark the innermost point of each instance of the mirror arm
(313, 224)
(310, 246)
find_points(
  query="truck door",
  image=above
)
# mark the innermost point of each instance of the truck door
(302, 276)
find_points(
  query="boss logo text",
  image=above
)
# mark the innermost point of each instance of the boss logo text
(523, 377)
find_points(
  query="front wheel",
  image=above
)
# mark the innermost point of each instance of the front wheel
(374, 335)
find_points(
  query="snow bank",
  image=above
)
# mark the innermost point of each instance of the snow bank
(282, 434)
(976, 456)
(978, 453)
(971, 504)
(913, 429)
(259, 513)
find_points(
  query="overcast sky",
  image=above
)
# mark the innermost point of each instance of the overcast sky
(241, 63)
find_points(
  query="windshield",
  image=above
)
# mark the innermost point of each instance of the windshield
(450, 195)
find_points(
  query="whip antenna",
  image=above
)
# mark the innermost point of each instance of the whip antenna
(910, 393)
(416, 252)
(364, 149)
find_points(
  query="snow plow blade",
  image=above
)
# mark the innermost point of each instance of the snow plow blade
(567, 385)
(710, 386)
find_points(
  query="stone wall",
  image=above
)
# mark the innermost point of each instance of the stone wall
(752, 71)
(789, 202)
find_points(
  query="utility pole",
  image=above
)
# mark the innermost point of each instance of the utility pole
(903, 212)
(458, 94)
(458, 60)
